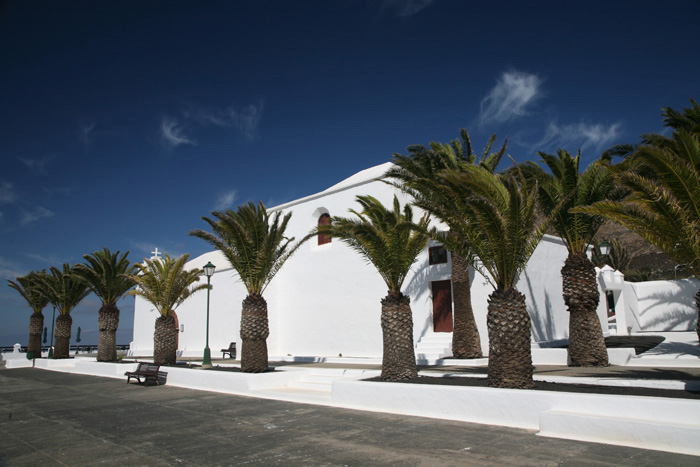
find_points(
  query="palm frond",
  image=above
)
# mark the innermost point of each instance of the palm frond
(662, 176)
(387, 239)
(252, 241)
(29, 288)
(63, 288)
(165, 283)
(106, 274)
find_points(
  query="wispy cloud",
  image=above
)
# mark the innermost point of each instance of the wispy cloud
(86, 133)
(7, 194)
(144, 247)
(140, 249)
(62, 191)
(36, 165)
(580, 135)
(407, 7)
(45, 261)
(226, 200)
(34, 215)
(172, 133)
(245, 120)
(10, 269)
(509, 99)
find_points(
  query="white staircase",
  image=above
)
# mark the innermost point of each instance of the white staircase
(434, 346)
(315, 386)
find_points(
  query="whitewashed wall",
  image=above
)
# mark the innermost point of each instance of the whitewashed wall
(661, 305)
(326, 299)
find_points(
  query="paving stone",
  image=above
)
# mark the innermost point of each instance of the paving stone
(85, 420)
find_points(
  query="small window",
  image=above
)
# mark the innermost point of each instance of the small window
(325, 219)
(437, 255)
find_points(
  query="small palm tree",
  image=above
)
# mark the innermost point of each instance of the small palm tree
(26, 286)
(662, 175)
(65, 290)
(415, 174)
(492, 223)
(390, 241)
(106, 274)
(565, 188)
(254, 244)
(165, 284)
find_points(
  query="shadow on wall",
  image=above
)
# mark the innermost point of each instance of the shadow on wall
(543, 328)
(666, 305)
(414, 288)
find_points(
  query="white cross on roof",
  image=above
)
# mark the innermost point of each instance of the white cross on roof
(155, 254)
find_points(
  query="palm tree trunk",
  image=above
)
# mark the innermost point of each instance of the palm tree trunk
(36, 327)
(165, 341)
(108, 322)
(466, 342)
(399, 361)
(586, 341)
(510, 354)
(254, 333)
(63, 328)
(697, 305)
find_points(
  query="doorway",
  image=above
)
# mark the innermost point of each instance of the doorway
(442, 306)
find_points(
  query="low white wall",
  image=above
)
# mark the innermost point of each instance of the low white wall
(668, 420)
(662, 305)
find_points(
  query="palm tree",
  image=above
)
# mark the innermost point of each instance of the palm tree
(391, 241)
(65, 291)
(106, 274)
(254, 244)
(165, 284)
(492, 222)
(565, 188)
(27, 288)
(662, 175)
(415, 174)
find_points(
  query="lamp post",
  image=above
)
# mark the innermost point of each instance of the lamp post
(53, 320)
(208, 271)
(605, 247)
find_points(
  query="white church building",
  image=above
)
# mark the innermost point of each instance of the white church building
(325, 302)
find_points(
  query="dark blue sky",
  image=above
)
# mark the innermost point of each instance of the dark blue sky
(122, 123)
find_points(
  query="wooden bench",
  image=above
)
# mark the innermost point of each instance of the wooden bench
(145, 370)
(231, 351)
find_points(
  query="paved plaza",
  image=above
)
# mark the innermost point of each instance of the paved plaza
(53, 418)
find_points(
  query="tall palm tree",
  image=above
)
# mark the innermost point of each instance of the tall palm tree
(391, 241)
(254, 244)
(65, 291)
(106, 274)
(165, 283)
(565, 188)
(662, 175)
(26, 286)
(414, 174)
(492, 223)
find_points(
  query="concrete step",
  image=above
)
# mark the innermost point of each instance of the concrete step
(295, 394)
(434, 342)
(622, 431)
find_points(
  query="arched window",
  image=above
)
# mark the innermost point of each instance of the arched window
(325, 219)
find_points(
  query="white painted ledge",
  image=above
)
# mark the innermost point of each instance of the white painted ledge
(525, 409)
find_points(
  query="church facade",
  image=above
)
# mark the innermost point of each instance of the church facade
(325, 302)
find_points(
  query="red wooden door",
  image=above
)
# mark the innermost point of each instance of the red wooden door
(442, 306)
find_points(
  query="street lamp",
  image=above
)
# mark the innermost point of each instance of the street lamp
(208, 271)
(605, 247)
(53, 320)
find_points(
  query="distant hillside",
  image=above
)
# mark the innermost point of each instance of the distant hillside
(644, 255)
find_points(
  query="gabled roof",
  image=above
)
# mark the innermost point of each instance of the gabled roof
(360, 178)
